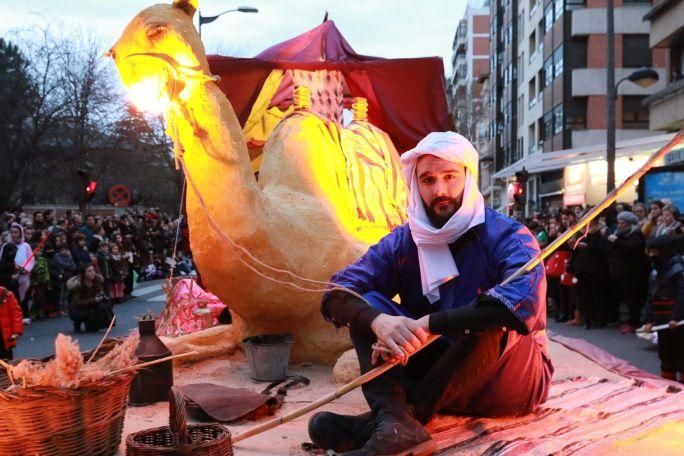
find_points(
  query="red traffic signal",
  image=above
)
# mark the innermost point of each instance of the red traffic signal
(91, 187)
(518, 192)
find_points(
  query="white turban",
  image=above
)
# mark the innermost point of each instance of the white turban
(437, 264)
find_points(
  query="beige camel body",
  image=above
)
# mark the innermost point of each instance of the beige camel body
(298, 217)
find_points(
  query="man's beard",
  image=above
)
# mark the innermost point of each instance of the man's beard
(438, 218)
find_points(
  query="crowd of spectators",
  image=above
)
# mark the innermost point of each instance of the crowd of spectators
(615, 271)
(60, 264)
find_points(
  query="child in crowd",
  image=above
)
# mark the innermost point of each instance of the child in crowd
(11, 325)
(119, 270)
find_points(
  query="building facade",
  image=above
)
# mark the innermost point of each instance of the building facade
(667, 34)
(470, 67)
(548, 72)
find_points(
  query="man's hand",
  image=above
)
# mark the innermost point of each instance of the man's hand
(401, 335)
(648, 327)
(14, 336)
(612, 238)
(672, 324)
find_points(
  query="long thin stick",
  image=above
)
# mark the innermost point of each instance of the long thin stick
(661, 327)
(111, 324)
(372, 374)
(150, 363)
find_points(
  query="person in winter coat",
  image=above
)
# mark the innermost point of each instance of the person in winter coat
(11, 325)
(87, 300)
(666, 305)
(119, 270)
(62, 268)
(104, 266)
(25, 261)
(79, 252)
(590, 266)
(627, 246)
(669, 224)
(9, 274)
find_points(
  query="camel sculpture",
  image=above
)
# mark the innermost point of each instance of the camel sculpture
(300, 215)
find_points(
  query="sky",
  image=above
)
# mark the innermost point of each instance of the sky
(383, 28)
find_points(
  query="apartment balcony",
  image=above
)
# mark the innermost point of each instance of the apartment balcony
(666, 108)
(535, 108)
(592, 81)
(628, 19)
(461, 37)
(666, 22)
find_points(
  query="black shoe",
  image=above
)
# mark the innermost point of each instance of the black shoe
(397, 434)
(331, 431)
(77, 326)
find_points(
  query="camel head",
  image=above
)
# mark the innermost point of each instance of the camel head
(160, 55)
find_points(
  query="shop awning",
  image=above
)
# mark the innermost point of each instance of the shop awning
(551, 161)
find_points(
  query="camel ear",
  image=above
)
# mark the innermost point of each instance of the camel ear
(189, 6)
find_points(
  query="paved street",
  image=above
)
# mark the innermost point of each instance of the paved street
(637, 351)
(38, 338)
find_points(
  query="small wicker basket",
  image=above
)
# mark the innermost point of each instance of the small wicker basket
(179, 438)
(50, 421)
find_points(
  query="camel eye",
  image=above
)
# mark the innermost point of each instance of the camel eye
(155, 32)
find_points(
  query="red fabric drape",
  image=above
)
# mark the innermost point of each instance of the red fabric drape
(406, 97)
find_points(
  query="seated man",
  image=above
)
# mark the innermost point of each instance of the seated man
(446, 265)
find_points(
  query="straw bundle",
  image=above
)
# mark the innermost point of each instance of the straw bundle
(68, 370)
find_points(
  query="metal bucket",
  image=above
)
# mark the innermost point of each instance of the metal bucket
(268, 356)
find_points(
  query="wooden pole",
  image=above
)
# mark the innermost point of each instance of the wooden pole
(534, 262)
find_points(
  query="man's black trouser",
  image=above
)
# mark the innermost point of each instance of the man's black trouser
(671, 350)
(634, 288)
(467, 377)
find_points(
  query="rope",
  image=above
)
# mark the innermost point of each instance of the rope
(175, 244)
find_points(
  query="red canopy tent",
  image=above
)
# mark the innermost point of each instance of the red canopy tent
(406, 97)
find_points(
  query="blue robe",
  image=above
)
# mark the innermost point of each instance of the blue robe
(485, 256)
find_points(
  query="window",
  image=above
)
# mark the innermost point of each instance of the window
(548, 71)
(635, 51)
(634, 114)
(534, 4)
(532, 90)
(558, 61)
(548, 125)
(558, 119)
(558, 8)
(575, 4)
(548, 16)
(576, 114)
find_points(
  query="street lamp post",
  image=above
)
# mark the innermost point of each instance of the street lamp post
(210, 19)
(643, 77)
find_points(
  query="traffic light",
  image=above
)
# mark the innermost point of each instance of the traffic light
(89, 185)
(520, 186)
(90, 190)
(518, 192)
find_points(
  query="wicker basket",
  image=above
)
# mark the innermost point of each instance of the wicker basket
(49, 421)
(179, 438)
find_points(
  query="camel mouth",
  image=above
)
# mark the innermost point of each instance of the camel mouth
(150, 94)
(147, 82)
